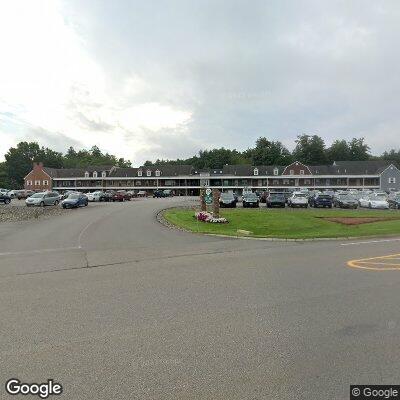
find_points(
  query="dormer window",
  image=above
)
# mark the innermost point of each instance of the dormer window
(157, 172)
(86, 174)
(139, 173)
(276, 171)
(291, 172)
(148, 172)
(103, 174)
(95, 174)
(255, 171)
(302, 172)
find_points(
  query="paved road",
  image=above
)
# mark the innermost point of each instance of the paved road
(115, 306)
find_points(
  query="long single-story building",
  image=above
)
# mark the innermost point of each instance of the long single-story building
(185, 179)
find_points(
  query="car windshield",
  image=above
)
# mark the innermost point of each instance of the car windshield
(73, 196)
(251, 196)
(299, 195)
(277, 196)
(346, 197)
(37, 195)
(379, 197)
(227, 196)
(324, 196)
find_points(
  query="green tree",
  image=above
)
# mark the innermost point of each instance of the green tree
(4, 183)
(310, 150)
(392, 155)
(359, 150)
(338, 151)
(268, 152)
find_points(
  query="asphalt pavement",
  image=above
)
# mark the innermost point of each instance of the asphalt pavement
(113, 305)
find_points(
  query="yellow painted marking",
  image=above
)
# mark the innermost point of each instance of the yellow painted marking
(373, 263)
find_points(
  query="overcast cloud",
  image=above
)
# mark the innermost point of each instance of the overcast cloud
(155, 79)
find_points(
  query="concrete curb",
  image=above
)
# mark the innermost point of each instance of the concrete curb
(160, 218)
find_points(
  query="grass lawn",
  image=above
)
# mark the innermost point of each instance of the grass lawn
(289, 223)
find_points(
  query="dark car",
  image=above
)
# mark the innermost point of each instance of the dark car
(227, 200)
(5, 198)
(75, 200)
(276, 200)
(321, 200)
(158, 193)
(263, 197)
(121, 195)
(251, 200)
(346, 201)
(394, 201)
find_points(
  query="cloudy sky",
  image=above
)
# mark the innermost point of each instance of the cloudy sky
(162, 79)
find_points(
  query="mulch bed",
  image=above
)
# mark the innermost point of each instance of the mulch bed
(358, 220)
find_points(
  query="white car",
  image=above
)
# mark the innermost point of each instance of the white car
(95, 196)
(298, 199)
(374, 201)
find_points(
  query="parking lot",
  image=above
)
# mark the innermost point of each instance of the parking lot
(106, 290)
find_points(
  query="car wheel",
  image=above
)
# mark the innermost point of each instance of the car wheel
(7, 201)
(41, 204)
(56, 203)
(64, 206)
(86, 204)
(369, 205)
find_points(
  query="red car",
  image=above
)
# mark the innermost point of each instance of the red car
(121, 195)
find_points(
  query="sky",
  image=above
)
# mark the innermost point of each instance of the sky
(164, 79)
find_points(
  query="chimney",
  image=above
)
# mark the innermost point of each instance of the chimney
(38, 165)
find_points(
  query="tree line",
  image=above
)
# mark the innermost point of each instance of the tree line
(309, 149)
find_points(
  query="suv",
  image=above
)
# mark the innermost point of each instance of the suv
(24, 194)
(298, 199)
(276, 200)
(321, 200)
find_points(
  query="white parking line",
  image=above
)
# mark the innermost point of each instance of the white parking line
(370, 241)
(18, 253)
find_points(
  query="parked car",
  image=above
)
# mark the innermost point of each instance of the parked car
(346, 201)
(321, 200)
(5, 198)
(95, 196)
(24, 194)
(4, 191)
(142, 193)
(374, 200)
(75, 200)
(298, 199)
(121, 195)
(263, 197)
(227, 200)
(158, 194)
(394, 201)
(276, 200)
(43, 199)
(250, 200)
(66, 194)
(13, 193)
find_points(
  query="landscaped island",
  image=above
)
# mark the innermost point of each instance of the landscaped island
(293, 224)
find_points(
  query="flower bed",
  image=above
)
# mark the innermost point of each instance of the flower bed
(205, 216)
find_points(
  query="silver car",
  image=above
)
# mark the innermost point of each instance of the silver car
(43, 199)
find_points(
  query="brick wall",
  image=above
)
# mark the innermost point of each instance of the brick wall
(37, 179)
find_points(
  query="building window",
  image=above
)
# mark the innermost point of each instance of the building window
(275, 182)
(307, 182)
(86, 174)
(103, 174)
(148, 173)
(139, 173)
(276, 171)
(255, 171)
(286, 181)
(291, 172)
(29, 183)
(302, 172)
(95, 174)
(37, 183)
(392, 180)
(157, 172)
(45, 183)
